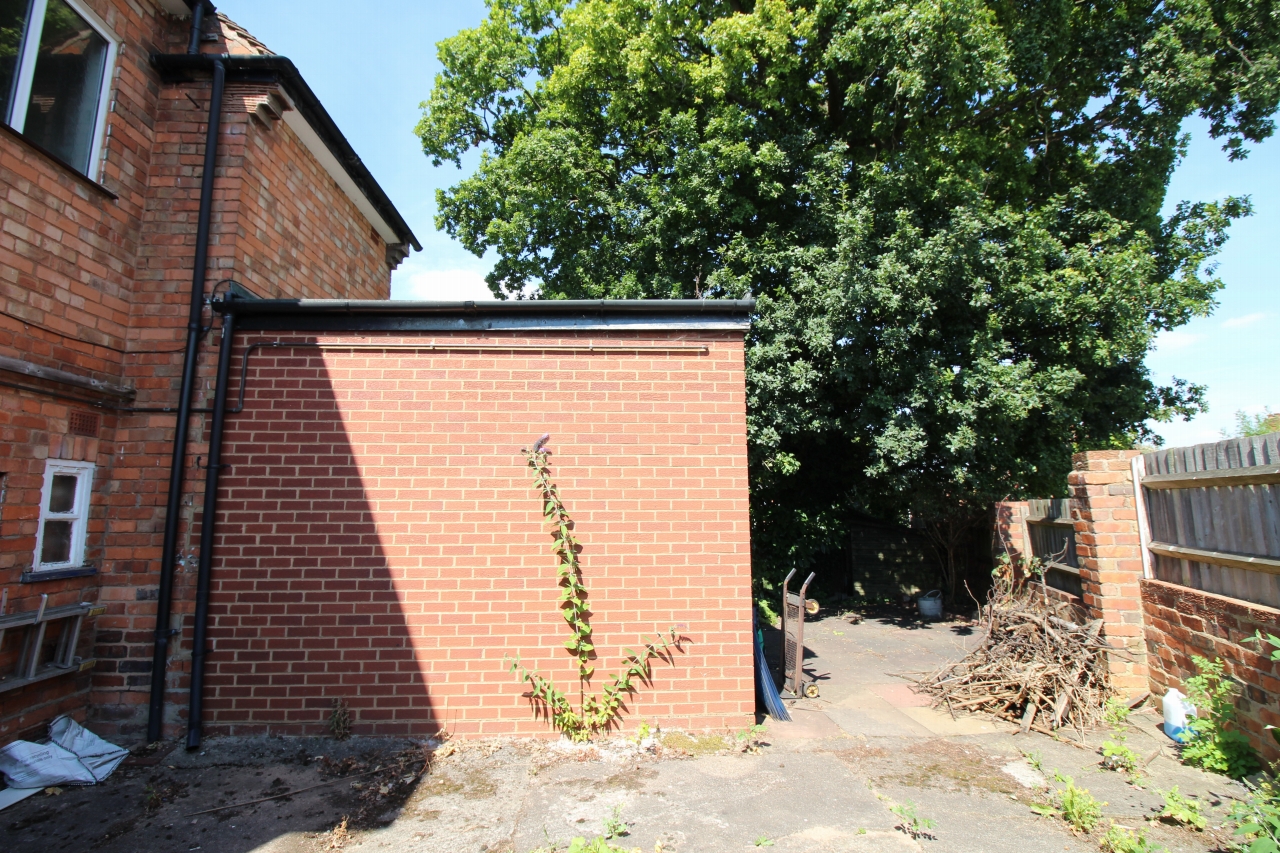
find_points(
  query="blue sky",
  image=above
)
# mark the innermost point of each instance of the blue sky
(371, 69)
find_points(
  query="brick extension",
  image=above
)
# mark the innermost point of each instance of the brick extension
(380, 540)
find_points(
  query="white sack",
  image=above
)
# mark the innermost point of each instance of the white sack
(41, 765)
(98, 756)
(76, 756)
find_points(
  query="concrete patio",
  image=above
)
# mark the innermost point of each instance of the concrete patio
(825, 782)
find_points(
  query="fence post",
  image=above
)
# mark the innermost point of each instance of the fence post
(1109, 548)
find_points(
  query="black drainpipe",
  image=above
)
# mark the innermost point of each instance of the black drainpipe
(177, 466)
(195, 712)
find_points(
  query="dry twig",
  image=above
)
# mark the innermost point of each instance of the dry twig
(1033, 667)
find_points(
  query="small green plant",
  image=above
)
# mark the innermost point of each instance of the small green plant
(1118, 755)
(910, 822)
(1257, 819)
(594, 713)
(1035, 759)
(643, 732)
(1180, 810)
(615, 826)
(583, 845)
(751, 739)
(763, 841)
(1121, 840)
(1074, 805)
(1215, 743)
(1116, 713)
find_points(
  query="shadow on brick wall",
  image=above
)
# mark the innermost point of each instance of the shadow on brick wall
(305, 611)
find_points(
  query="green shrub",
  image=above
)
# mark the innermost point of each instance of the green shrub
(1216, 744)
(1257, 819)
(1074, 805)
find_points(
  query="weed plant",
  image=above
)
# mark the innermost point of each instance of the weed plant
(1081, 811)
(1257, 819)
(594, 713)
(1181, 810)
(1121, 840)
(910, 822)
(1216, 744)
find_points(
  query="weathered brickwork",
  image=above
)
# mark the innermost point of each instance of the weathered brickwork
(94, 280)
(1162, 625)
(1010, 530)
(1110, 553)
(380, 541)
(1182, 622)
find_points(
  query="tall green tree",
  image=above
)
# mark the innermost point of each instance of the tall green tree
(949, 212)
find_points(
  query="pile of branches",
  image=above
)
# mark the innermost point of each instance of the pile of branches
(1033, 667)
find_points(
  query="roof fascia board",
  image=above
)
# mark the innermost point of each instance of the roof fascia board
(523, 315)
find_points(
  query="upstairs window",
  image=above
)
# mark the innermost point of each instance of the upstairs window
(64, 515)
(55, 58)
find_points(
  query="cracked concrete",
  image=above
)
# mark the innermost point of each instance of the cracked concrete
(826, 782)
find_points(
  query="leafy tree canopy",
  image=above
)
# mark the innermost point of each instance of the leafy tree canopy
(949, 212)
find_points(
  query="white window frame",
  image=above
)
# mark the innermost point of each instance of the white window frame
(17, 118)
(79, 515)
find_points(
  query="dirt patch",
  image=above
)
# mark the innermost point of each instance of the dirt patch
(949, 766)
(473, 783)
(695, 744)
(860, 753)
(630, 780)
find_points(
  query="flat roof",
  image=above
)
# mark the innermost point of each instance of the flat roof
(346, 315)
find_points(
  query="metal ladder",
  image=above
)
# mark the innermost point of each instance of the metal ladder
(30, 669)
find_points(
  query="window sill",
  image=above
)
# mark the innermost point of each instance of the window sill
(35, 576)
(72, 170)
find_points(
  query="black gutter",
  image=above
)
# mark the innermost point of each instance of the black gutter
(199, 640)
(177, 465)
(264, 68)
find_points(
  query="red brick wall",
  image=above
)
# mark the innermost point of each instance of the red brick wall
(100, 287)
(1181, 622)
(1163, 625)
(297, 231)
(1011, 530)
(380, 540)
(67, 264)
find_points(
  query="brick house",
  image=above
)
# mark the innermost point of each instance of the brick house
(103, 140)
(342, 513)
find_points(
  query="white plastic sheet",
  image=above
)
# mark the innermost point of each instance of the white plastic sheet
(99, 757)
(73, 756)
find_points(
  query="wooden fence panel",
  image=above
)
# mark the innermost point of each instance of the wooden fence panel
(1239, 522)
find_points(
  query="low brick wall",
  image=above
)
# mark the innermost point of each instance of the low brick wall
(1181, 622)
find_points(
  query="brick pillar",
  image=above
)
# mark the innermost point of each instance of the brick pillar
(1109, 550)
(1010, 530)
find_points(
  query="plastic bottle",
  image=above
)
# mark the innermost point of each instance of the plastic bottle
(1176, 711)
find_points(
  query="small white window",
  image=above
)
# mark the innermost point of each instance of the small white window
(55, 60)
(64, 515)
